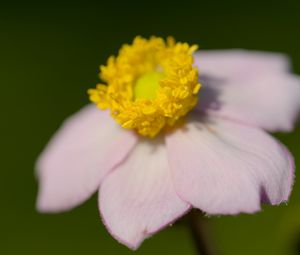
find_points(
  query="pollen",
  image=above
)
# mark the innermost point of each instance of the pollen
(150, 85)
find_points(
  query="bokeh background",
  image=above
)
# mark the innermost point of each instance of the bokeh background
(50, 53)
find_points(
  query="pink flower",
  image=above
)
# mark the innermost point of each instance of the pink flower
(220, 160)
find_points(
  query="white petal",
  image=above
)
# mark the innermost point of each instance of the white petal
(223, 167)
(138, 198)
(83, 150)
(240, 64)
(252, 87)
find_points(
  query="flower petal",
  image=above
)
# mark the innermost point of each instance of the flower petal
(240, 64)
(223, 167)
(83, 150)
(253, 87)
(138, 197)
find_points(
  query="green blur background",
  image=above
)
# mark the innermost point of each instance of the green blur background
(50, 53)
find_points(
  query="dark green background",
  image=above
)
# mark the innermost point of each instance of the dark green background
(49, 57)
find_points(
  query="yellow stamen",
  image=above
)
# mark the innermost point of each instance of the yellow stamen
(149, 85)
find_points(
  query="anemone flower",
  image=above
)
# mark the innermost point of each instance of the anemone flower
(156, 143)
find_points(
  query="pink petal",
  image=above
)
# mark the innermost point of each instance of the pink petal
(83, 150)
(240, 64)
(138, 198)
(252, 87)
(223, 167)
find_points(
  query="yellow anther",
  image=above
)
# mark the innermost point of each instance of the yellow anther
(196, 88)
(149, 85)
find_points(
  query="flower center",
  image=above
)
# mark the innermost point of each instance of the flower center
(142, 96)
(146, 86)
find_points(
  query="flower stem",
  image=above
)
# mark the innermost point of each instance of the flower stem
(198, 229)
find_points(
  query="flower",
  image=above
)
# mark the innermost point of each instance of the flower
(162, 146)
